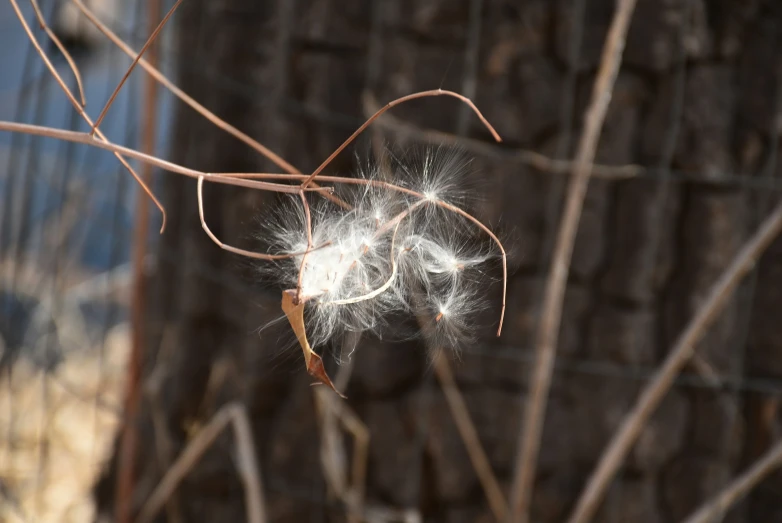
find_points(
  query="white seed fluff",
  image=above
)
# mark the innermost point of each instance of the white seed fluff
(393, 252)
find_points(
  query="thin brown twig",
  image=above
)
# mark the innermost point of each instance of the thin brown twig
(358, 469)
(224, 178)
(471, 56)
(739, 488)
(677, 358)
(332, 450)
(227, 178)
(548, 330)
(534, 159)
(469, 435)
(125, 77)
(391, 105)
(236, 250)
(234, 414)
(464, 424)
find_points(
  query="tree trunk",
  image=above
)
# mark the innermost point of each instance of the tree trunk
(696, 103)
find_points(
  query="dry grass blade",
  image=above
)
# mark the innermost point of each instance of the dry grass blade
(719, 504)
(677, 358)
(467, 431)
(548, 331)
(230, 414)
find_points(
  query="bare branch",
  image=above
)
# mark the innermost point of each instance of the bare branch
(200, 109)
(548, 330)
(739, 488)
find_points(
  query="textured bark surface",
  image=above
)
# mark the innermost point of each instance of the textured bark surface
(292, 75)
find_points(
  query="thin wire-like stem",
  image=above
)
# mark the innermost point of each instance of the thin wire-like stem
(497, 241)
(548, 330)
(730, 495)
(133, 66)
(236, 250)
(68, 58)
(225, 178)
(78, 106)
(392, 104)
(677, 358)
(236, 179)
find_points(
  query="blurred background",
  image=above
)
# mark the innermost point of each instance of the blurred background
(687, 169)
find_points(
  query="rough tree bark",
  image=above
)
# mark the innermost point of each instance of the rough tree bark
(647, 251)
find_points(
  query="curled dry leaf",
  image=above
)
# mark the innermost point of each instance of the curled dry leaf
(295, 314)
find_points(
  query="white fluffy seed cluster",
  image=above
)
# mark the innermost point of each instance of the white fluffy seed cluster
(393, 252)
